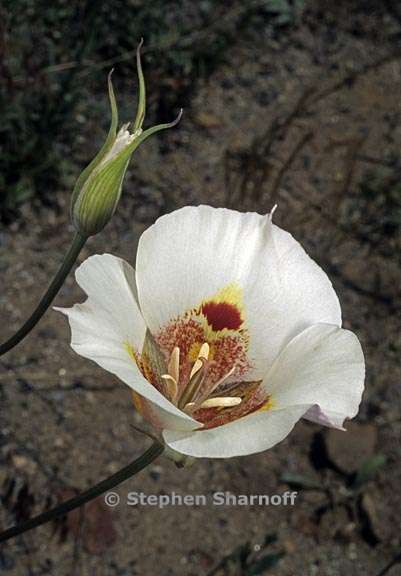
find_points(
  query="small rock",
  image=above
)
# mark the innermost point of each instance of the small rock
(25, 464)
(289, 546)
(376, 521)
(155, 472)
(59, 442)
(207, 120)
(333, 523)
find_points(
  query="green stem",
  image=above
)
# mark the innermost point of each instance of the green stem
(136, 466)
(68, 262)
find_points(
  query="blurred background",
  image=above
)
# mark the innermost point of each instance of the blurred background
(288, 102)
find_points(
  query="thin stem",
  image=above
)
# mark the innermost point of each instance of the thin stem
(136, 466)
(390, 565)
(68, 262)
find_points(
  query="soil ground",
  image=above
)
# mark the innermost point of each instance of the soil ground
(313, 123)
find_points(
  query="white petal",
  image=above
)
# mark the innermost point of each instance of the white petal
(109, 320)
(248, 435)
(110, 285)
(191, 254)
(323, 367)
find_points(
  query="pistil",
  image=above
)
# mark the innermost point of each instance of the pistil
(194, 385)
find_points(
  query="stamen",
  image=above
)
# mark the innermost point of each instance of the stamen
(221, 402)
(189, 407)
(194, 385)
(221, 381)
(203, 354)
(172, 386)
(208, 391)
(174, 364)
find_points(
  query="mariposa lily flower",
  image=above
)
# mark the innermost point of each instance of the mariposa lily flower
(227, 332)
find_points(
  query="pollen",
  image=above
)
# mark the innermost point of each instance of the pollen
(267, 405)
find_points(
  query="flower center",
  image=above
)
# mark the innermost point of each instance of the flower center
(197, 392)
(199, 361)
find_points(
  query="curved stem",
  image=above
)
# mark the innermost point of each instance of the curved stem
(68, 262)
(136, 466)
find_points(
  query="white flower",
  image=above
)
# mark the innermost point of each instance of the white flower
(228, 333)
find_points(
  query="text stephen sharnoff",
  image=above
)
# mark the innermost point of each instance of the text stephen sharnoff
(214, 499)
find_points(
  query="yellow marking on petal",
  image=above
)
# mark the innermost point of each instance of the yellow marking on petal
(267, 405)
(221, 402)
(130, 349)
(232, 294)
(193, 352)
(136, 397)
(137, 402)
(141, 361)
(147, 369)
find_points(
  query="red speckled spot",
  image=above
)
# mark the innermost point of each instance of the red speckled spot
(222, 315)
(228, 351)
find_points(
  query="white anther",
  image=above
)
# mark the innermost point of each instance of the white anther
(221, 402)
(204, 354)
(172, 386)
(174, 364)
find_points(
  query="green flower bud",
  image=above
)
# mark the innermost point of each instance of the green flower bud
(98, 189)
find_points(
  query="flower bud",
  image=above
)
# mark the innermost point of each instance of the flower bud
(98, 189)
